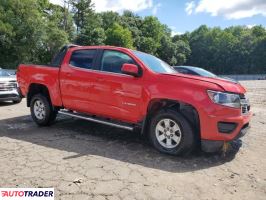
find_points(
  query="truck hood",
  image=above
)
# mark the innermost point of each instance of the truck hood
(226, 85)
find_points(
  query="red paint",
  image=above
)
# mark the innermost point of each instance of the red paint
(126, 98)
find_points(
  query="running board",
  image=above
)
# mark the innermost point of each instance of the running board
(92, 119)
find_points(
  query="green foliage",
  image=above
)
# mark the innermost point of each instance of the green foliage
(175, 53)
(83, 10)
(109, 18)
(29, 32)
(92, 33)
(90, 37)
(259, 54)
(20, 29)
(236, 49)
(152, 32)
(32, 31)
(118, 36)
(133, 23)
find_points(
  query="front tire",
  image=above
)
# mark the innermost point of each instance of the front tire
(171, 133)
(42, 112)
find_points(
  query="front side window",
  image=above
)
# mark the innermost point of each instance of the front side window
(112, 61)
(83, 58)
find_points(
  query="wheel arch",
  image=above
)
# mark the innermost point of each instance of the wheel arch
(37, 88)
(186, 109)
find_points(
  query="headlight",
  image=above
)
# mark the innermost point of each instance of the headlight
(224, 98)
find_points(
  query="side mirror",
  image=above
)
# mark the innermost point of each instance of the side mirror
(130, 69)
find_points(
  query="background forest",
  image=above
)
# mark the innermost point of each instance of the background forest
(33, 31)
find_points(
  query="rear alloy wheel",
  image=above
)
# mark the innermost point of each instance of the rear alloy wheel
(42, 112)
(171, 133)
(39, 109)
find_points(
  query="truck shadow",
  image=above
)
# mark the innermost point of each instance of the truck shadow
(85, 138)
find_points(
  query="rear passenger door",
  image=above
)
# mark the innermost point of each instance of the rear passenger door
(77, 80)
(119, 96)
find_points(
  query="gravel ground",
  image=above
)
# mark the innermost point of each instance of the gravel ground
(82, 160)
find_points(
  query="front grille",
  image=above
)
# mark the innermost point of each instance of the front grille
(8, 85)
(245, 106)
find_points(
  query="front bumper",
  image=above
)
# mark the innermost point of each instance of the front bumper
(213, 119)
(11, 95)
(220, 125)
(216, 145)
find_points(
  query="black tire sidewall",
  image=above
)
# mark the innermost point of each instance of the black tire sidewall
(187, 142)
(48, 110)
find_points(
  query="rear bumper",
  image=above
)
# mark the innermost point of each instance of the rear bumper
(216, 145)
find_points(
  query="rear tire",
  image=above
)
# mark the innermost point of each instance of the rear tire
(42, 111)
(171, 133)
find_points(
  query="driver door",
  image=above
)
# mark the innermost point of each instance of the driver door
(119, 96)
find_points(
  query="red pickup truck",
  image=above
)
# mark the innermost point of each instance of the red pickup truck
(134, 90)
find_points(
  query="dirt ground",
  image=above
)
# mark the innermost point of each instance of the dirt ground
(82, 160)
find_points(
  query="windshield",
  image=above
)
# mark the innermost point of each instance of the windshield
(3, 73)
(155, 64)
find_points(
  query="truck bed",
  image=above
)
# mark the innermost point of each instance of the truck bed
(48, 76)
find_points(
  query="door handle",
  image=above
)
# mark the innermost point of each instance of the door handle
(68, 74)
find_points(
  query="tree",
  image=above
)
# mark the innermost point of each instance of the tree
(82, 9)
(30, 32)
(259, 55)
(53, 40)
(20, 31)
(174, 53)
(91, 36)
(199, 44)
(60, 17)
(133, 23)
(92, 33)
(119, 36)
(152, 32)
(183, 52)
(109, 18)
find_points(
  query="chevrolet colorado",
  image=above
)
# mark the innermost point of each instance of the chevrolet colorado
(134, 90)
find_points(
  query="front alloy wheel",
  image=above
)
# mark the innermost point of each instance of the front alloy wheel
(171, 133)
(168, 133)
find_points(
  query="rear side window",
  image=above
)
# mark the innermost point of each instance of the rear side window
(57, 60)
(83, 58)
(112, 61)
